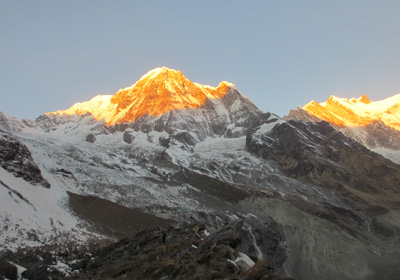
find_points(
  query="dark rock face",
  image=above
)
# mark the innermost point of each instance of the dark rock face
(8, 270)
(128, 138)
(319, 154)
(259, 239)
(41, 271)
(16, 158)
(90, 138)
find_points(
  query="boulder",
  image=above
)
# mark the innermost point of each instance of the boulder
(90, 138)
(128, 138)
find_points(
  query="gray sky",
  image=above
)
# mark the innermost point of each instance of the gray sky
(280, 54)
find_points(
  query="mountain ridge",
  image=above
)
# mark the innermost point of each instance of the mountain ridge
(375, 124)
(160, 91)
(357, 112)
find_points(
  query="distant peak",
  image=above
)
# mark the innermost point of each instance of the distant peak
(332, 99)
(364, 99)
(357, 112)
(157, 71)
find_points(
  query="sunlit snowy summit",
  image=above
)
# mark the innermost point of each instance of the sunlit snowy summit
(375, 124)
(165, 100)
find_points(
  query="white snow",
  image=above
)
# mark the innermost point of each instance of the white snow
(393, 155)
(243, 258)
(387, 110)
(267, 127)
(31, 215)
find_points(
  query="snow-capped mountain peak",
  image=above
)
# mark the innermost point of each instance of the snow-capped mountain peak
(160, 91)
(358, 112)
(375, 124)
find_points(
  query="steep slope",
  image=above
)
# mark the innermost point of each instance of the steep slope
(374, 124)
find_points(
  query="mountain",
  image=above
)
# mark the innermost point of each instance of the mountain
(373, 124)
(165, 100)
(160, 91)
(248, 193)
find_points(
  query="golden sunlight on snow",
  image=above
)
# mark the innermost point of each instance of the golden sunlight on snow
(158, 92)
(357, 112)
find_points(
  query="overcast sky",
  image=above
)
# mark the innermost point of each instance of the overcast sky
(280, 54)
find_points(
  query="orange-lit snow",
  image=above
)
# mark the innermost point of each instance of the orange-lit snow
(159, 91)
(357, 112)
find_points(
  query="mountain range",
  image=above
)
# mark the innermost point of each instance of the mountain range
(376, 125)
(313, 195)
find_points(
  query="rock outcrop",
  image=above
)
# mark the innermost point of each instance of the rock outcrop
(184, 252)
(16, 158)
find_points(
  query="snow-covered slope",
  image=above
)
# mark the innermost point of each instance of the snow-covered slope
(32, 216)
(33, 203)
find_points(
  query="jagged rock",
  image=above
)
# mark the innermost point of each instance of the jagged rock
(16, 158)
(228, 235)
(259, 239)
(90, 138)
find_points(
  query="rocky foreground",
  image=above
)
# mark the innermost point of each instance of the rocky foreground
(186, 251)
